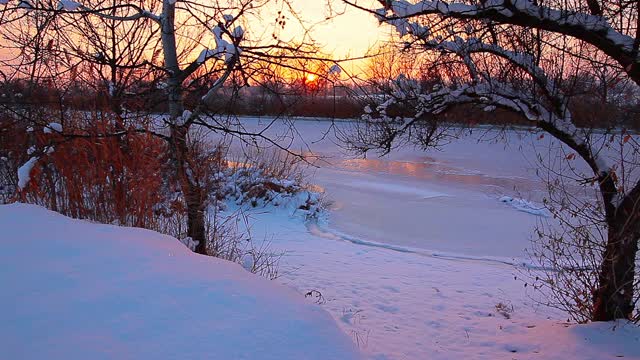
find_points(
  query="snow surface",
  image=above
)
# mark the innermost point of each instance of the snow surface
(415, 260)
(418, 253)
(526, 206)
(404, 305)
(76, 290)
(446, 201)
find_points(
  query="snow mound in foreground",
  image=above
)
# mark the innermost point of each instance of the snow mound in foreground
(77, 290)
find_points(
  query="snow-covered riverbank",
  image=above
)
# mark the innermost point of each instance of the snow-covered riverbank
(404, 305)
(420, 256)
(77, 290)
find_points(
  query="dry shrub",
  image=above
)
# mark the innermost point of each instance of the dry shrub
(568, 252)
(275, 176)
(230, 238)
(128, 180)
(109, 179)
(274, 163)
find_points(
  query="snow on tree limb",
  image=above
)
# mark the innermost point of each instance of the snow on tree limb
(71, 6)
(548, 112)
(518, 10)
(488, 94)
(24, 172)
(592, 29)
(53, 127)
(335, 69)
(465, 48)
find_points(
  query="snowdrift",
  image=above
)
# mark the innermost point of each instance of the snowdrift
(76, 290)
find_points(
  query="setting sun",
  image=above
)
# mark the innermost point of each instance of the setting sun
(311, 77)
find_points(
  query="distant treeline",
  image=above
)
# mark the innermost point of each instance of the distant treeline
(587, 111)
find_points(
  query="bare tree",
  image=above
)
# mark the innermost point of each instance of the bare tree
(522, 56)
(125, 49)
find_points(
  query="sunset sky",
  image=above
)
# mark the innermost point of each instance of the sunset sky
(342, 31)
(348, 32)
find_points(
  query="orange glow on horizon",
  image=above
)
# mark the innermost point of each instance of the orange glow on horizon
(340, 32)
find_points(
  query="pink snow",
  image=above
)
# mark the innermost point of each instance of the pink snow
(77, 290)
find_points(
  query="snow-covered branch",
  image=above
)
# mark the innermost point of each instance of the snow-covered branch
(223, 49)
(230, 51)
(592, 29)
(542, 102)
(549, 109)
(133, 11)
(524, 61)
(383, 129)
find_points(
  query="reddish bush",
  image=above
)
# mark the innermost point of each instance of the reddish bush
(102, 178)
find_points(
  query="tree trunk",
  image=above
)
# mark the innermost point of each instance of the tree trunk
(193, 193)
(195, 221)
(613, 299)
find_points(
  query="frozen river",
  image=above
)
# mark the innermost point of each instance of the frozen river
(418, 252)
(444, 201)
